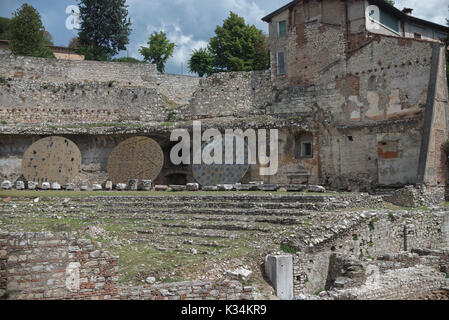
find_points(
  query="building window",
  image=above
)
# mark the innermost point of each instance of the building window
(304, 146)
(281, 63)
(282, 28)
(417, 35)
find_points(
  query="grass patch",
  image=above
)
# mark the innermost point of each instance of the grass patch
(169, 103)
(288, 249)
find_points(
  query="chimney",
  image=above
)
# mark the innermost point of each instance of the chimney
(407, 11)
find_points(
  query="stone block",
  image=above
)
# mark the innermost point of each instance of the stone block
(55, 186)
(295, 187)
(84, 186)
(45, 186)
(108, 185)
(133, 184)
(146, 185)
(69, 186)
(178, 188)
(240, 274)
(121, 186)
(97, 187)
(279, 269)
(6, 185)
(209, 188)
(268, 187)
(318, 189)
(193, 187)
(20, 185)
(226, 187)
(245, 187)
(32, 185)
(161, 188)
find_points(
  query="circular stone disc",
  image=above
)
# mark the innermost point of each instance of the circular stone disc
(214, 174)
(52, 159)
(139, 158)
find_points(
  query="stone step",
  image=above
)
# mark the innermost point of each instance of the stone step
(194, 211)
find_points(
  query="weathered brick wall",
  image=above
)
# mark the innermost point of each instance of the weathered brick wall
(233, 93)
(21, 67)
(37, 268)
(177, 88)
(68, 103)
(369, 236)
(199, 290)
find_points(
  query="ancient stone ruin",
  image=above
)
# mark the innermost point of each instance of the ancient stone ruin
(92, 207)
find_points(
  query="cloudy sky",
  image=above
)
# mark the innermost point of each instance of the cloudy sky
(188, 23)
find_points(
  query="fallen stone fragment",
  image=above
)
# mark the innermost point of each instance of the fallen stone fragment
(121, 186)
(161, 188)
(240, 274)
(69, 186)
(55, 186)
(146, 185)
(45, 186)
(108, 185)
(150, 280)
(133, 184)
(319, 189)
(32, 185)
(178, 188)
(210, 188)
(268, 187)
(193, 187)
(97, 187)
(20, 185)
(225, 187)
(6, 185)
(84, 186)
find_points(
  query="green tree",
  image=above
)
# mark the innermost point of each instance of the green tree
(74, 43)
(5, 28)
(159, 50)
(201, 62)
(105, 28)
(390, 2)
(238, 46)
(28, 35)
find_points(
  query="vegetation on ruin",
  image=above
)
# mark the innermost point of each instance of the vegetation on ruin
(127, 60)
(159, 50)
(5, 28)
(27, 34)
(102, 43)
(201, 62)
(237, 46)
(288, 249)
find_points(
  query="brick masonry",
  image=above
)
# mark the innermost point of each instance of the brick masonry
(46, 266)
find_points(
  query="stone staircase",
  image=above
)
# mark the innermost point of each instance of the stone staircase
(202, 229)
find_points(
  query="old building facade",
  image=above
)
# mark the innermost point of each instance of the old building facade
(355, 109)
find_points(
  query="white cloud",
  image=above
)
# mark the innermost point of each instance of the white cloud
(432, 10)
